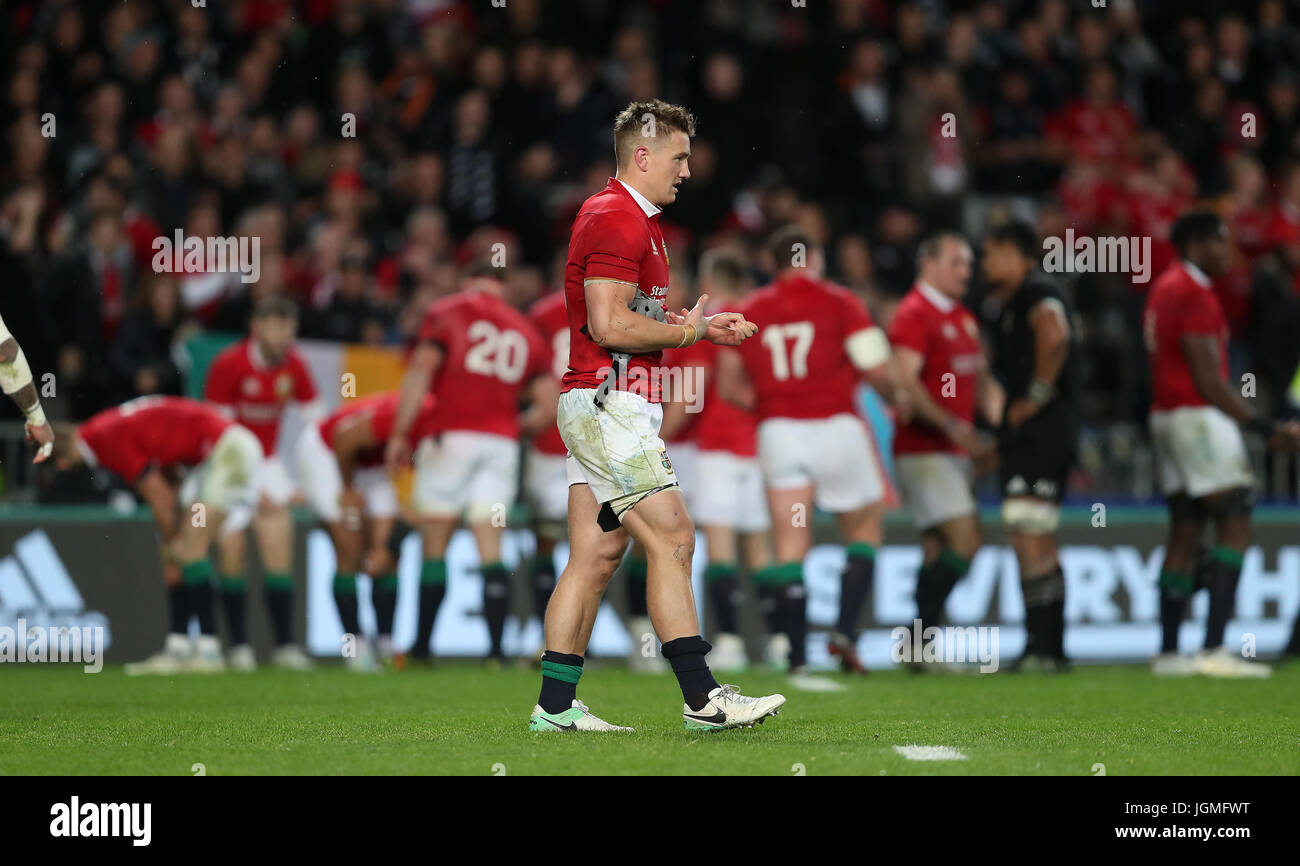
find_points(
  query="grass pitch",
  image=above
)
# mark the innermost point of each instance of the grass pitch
(462, 719)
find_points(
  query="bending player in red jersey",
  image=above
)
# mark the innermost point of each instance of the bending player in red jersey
(481, 357)
(941, 360)
(254, 381)
(341, 464)
(817, 341)
(1197, 419)
(146, 443)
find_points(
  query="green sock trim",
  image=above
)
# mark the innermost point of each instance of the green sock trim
(720, 571)
(1228, 556)
(495, 568)
(957, 563)
(637, 569)
(279, 581)
(563, 673)
(433, 571)
(386, 581)
(776, 575)
(232, 585)
(1177, 582)
(345, 583)
(861, 548)
(197, 573)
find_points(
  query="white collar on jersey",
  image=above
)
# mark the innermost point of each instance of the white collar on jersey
(649, 209)
(90, 458)
(1198, 276)
(255, 356)
(936, 297)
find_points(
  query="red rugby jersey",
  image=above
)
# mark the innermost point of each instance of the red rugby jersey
(613, 238)
(1181, 301)
(257, 392)
(152, 431)
(490, 354)
(947, 337)
(797, 362)
(719, 426)
(382, 411)
(552, 320)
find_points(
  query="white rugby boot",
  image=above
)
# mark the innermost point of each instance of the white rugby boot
(1222, 662)
(207, 657)
(1173, 665)
(243, 659)
(728, 708)
(728, 655)
(575, 718)
(291, 657)
(171, 659)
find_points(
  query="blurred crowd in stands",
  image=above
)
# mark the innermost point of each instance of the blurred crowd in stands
(379, 147)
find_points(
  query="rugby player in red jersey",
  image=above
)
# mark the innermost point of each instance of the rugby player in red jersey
(941, 361)
(481, 357)
(147, 443)
(341, 463)
(546, 486)
(725, 483)
(817, 341)
(622, 484)
(254, 381)
(1197, 418)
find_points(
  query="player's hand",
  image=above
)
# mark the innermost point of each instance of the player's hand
(1285, 438)
(397, 454)
(964, 435)
(902, 403)
(377, 561)
(43, 436)
(1020, 411)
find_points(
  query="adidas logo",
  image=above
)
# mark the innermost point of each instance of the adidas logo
(43, 617)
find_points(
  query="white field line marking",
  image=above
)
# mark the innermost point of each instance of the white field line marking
(930, 753)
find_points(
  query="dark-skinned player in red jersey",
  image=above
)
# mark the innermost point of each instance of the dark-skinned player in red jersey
(1197, 419)
(817, 342)
(147, 443)
(622, 484)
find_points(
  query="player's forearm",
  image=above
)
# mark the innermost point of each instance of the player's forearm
(1219, 394)
(415, 384)
(992, 399)
(929, 411)
(622, 330)
(16, 379)
(1049, 360)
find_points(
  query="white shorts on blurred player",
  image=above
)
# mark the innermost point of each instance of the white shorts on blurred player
(322, 483)
(832, 454)
(936, 487)
(1199, 451)
(729, 492)
(462, 472)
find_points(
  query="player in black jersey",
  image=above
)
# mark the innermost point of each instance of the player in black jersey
(1034, 361)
